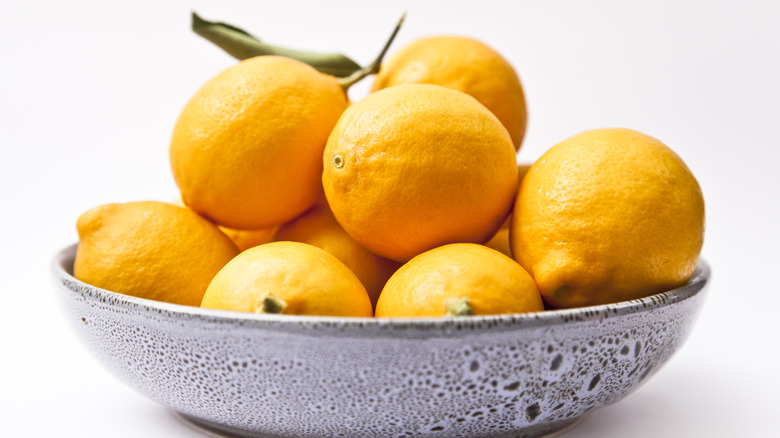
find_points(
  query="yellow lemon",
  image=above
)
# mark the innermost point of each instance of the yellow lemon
(288, 277)
(246, 150)
(459, 279)
(413, 167)
(605, 216)
(150, 250)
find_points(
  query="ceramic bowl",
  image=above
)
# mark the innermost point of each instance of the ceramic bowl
(518, 375)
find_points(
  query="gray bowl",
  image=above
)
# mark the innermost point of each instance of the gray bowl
(519, 375)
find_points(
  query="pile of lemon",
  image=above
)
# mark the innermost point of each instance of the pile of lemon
(408, 202)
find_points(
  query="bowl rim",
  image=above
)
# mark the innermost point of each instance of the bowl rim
(62, 267)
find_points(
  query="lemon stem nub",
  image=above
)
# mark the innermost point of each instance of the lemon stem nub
(561, 292)
(271, 304)
(338, 161)
(458, 307)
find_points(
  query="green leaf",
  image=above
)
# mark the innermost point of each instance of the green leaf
(241, 45)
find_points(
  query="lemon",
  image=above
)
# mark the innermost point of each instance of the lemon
(459, 279)
(150, 250)
(288, 277)
(605, 216)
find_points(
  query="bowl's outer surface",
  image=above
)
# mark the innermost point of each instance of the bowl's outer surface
(261, 375)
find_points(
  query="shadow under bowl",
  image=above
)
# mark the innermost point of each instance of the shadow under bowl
(517, 375)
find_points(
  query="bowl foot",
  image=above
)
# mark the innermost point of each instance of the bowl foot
(210, 429)
(204, 427)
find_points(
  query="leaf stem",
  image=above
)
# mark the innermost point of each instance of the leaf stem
(372, 68)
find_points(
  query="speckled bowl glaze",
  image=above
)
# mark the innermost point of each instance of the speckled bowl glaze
(521, 375)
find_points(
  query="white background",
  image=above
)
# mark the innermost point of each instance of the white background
(89, 93)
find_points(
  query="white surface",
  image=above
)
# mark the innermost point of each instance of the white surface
(89, 92)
